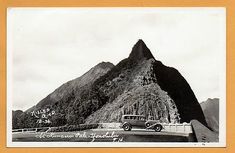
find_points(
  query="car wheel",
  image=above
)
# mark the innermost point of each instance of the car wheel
(158, 128)
(147, 124)
(127, 127)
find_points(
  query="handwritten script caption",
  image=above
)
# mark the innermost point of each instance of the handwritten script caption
(43, 115)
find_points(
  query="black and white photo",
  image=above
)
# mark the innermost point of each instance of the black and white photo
(116, 77)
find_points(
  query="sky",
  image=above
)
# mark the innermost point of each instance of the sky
(47, 47)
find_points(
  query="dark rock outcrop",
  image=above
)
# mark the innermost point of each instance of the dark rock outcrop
(140, 52)
(171, 81)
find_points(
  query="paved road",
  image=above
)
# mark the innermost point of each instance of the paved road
(104, 135)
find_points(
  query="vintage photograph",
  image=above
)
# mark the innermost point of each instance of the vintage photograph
(116, 77)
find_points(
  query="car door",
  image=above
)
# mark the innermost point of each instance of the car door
(140, 121)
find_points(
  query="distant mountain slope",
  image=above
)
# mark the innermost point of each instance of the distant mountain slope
(138, 84)
(210, 109)
(61, 99)
(16, 119)
(69, 88)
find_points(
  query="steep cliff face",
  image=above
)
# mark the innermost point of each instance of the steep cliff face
(138, 84)
(171, 81)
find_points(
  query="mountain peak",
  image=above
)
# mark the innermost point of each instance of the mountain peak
(140, 51)
(105, 65)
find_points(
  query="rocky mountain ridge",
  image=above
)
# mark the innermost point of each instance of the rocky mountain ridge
(138, 84)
